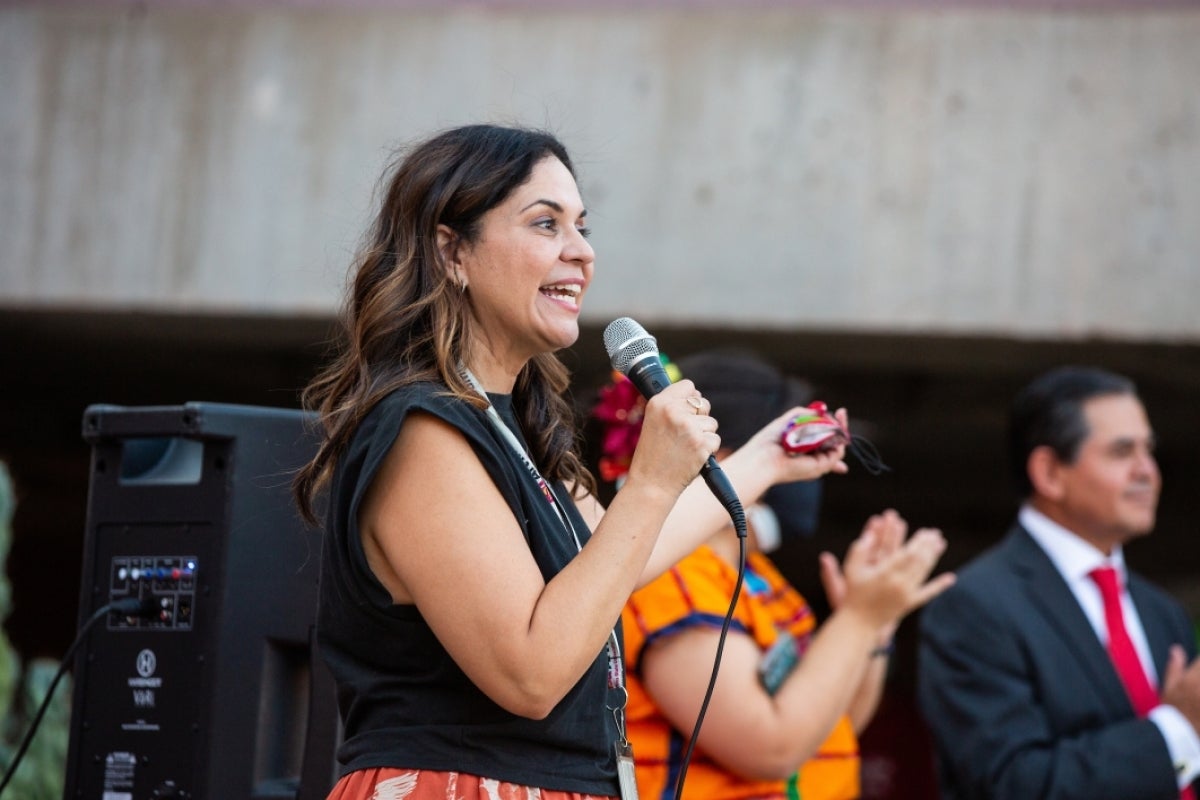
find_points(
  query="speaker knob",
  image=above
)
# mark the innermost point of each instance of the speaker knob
(169, 789)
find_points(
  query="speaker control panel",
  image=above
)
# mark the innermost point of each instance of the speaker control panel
(166, 583)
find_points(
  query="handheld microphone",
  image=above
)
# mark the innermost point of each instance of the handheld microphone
(634, 353)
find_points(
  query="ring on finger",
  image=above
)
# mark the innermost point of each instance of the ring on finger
(696, 402)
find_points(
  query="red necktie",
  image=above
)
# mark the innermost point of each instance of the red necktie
(1120, 646)
(1122, 652)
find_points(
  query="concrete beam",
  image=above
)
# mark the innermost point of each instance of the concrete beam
(1020, 172)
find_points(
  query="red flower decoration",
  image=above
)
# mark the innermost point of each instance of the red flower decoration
(621, 408)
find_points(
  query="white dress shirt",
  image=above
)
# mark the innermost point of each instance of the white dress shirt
(1074, 559)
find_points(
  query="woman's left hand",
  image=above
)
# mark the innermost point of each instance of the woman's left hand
(784, 467)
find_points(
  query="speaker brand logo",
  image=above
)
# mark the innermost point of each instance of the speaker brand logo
(143, 687)
(146, 663)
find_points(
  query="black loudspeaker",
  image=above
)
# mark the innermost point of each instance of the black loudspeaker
(214, 692)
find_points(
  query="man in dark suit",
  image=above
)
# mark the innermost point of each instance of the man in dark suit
(1037, 680)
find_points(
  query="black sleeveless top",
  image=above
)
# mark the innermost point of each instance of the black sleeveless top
(404, 702)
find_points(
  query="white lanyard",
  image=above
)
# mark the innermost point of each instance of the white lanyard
(616, 668)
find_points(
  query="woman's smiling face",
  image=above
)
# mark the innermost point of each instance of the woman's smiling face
(527, 271)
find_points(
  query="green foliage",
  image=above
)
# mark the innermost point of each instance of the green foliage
(40, 775)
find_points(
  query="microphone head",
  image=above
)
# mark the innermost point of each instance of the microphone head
(627, 342)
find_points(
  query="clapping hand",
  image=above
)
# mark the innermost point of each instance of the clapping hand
(886, 573)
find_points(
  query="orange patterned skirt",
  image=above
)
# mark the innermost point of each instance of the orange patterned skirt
(386, 783)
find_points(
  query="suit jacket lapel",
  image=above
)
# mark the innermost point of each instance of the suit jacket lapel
(1158, 632)
(1049, 594)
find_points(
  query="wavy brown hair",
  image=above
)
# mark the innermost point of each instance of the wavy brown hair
(404, 320)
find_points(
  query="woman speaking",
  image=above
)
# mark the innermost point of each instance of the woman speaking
(472, 585)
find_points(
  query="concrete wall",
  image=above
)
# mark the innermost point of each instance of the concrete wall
(1018, 171)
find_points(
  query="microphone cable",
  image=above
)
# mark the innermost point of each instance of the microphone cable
(634, 353)
(131, 606)
(739, 525)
